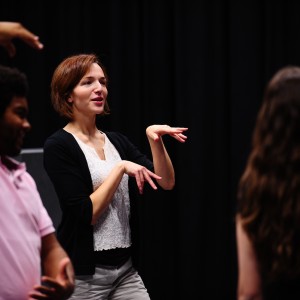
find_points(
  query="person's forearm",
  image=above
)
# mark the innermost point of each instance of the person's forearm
(52, 254)
(162, 164)
(102, 196)
(57, 281)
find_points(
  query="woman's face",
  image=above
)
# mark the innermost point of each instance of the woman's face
(89, 95)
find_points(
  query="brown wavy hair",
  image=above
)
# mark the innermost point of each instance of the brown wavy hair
(65, 78)
(269, 189)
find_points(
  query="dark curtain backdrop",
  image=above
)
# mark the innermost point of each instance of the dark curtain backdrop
(200, 64)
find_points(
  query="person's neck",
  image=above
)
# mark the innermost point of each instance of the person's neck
(84, 129)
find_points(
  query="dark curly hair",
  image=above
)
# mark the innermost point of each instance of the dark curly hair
(12, 83)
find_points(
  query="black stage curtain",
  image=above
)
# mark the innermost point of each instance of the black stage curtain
(200, 64)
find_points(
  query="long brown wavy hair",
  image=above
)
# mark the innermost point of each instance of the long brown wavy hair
(269, 189)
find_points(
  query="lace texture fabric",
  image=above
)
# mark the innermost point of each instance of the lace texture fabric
(112, 229)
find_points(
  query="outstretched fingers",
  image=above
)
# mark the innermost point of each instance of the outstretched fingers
(156, 131)
(177, 133)
(146, 175)
(140, 181)
(179, 137)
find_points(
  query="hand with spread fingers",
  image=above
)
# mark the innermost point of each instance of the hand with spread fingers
(15, 30)
(141, 174)
(156, 131)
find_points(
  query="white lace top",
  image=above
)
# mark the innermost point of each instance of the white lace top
(112, 229)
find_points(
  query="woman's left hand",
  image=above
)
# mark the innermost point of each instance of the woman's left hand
(154, 132)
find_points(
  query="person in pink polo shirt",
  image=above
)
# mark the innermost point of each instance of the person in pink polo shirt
(33, 264)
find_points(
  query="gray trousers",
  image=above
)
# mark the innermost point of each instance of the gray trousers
(123, 283)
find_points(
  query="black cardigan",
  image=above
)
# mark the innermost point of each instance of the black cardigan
(68, 170)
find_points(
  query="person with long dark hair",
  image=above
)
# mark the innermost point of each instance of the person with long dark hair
(268, 215)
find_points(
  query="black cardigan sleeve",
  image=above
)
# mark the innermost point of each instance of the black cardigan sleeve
(67, 168)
